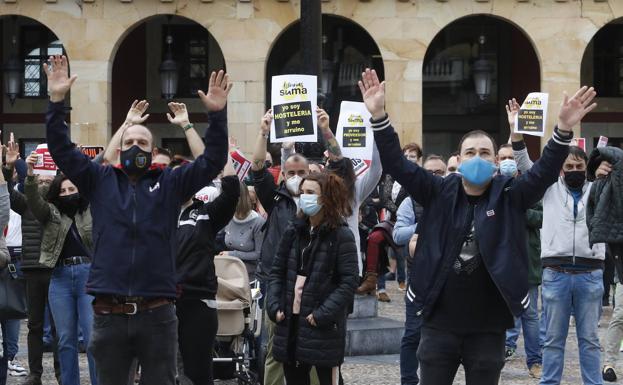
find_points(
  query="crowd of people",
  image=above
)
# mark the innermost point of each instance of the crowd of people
(120, 250)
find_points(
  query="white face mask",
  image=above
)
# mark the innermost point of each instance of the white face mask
(293, 184)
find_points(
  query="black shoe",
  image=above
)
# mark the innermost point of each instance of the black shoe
(32, 380)
(390, 276)
(609, 374)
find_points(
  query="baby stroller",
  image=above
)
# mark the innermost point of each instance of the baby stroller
(239, 317)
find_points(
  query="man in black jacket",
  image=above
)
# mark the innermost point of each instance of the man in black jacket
(470, 273)
(135, 210)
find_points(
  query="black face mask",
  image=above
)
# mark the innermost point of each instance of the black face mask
(575, 179)
(69, 204)
(134, 161)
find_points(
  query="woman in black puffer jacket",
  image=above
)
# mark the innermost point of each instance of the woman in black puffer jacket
(313, 282)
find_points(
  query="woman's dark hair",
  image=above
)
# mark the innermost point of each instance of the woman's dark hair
(345, 170)
(55, 191)
(334, 197)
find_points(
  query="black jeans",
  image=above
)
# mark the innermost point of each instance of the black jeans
(197, 329)
(149, 336)
(37, 283)
(299, 374)
(440, 353)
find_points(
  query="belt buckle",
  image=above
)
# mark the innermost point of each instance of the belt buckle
(134, 308)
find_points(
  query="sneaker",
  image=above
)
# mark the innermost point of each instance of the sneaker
(535, 371)
(32, 380)
(609, 374)
(621, 348)
(16, 370)
(510, 352)
(383, 297)
(402, 286)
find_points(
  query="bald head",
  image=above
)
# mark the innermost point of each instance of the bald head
(137, 135)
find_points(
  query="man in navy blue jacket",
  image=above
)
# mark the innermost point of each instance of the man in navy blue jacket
(470, 270)
(135, 210)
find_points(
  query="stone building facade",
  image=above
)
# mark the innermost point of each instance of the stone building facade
(246, 30)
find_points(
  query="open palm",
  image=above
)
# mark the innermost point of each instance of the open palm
(573, 109)
(180, 114)
(218, 90)
(59, 81)
(373, 92)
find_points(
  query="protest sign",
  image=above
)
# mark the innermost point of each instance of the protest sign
(532, 115)
(579, 142)
(91, 151)
(354, 135)
(45, 164)
(603, 142)
(240, 163)
(293, 100)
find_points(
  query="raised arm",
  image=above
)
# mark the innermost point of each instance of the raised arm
(180, 118)
(37, 205)
(531, 186)
(134, 116)
(259, 152)
(5, 203)
(221, 210)
(76, 165)
(519, 146)
(190, 178)
(366, 183)
(333, 147)
(420, 184)
(263, 181)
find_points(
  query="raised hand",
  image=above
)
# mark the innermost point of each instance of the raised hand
(31, 161)
(218, 90)
(373, 93)
(573, 109)
(180, 112)
(323, 119)
(266, 121)
(59, 81)
(135, 114)
(12, 151)
(512, 109)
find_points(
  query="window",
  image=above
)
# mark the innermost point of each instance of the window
(197, 55)
(38, 44)
(608, 61)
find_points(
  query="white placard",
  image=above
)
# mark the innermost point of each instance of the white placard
(532, 115)
(354, 135)
(294, 101)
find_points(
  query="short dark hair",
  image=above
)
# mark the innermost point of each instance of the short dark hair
(164, 151)
(413, 147)
(434, 157)
(505, 145)
(578, 153)
(55, 191)
(476, 133)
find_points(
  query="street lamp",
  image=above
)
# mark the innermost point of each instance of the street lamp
(168, 72)
(12, 71)
(482, 71)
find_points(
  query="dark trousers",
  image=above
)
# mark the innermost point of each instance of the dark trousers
(197, 329)
(149, 336)
(409, 346)
(37, 283)
(441, 352)
(299, 374)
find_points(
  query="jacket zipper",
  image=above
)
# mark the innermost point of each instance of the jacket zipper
(132, 260)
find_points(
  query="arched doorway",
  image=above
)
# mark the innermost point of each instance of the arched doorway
(136, 73)
(347, 49)
(602, 67)
(25, 44)
(471, 68)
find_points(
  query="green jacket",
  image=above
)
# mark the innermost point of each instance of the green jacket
(534, 220)
(55, 225)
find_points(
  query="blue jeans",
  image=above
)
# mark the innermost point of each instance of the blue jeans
(529, 322)
(70, 306)
(409, 345)
(3, 360)
(11, 337)
(401, 272)
(562, 294)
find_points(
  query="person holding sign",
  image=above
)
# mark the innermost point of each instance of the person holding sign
(468, 278)
(135, 212)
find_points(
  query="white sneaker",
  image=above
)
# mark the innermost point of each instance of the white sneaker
(621, 348)
(17, 370)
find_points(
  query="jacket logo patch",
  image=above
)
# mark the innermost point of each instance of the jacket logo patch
(490, 213)
(193, 215)
(154, 187)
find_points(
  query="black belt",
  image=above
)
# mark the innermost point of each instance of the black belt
(70, 261)
(565, 270)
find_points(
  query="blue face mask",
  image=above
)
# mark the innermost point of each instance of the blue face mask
(309, 204)
(508, 167)
(477, 171)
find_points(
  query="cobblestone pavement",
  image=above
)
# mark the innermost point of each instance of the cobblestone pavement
(383, 370)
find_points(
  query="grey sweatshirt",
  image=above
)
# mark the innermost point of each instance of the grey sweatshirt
(244, 237)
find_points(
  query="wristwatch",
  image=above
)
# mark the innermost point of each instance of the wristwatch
(188, 126)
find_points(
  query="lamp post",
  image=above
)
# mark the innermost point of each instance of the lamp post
(168, 73)
(482, 70)
(12, 70)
